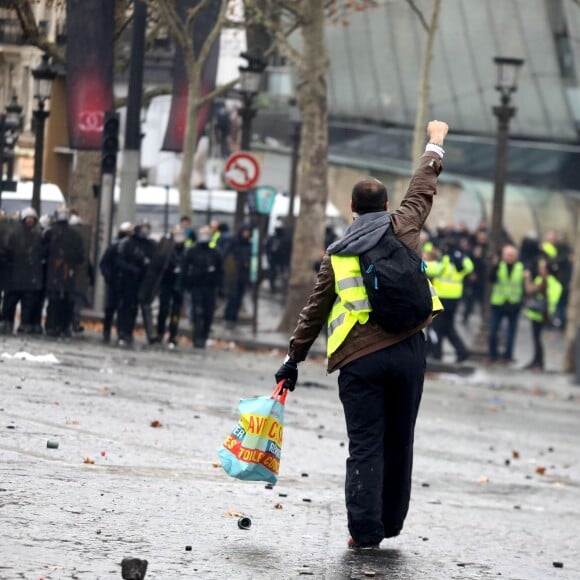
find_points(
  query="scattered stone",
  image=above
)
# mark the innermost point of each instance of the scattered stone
(155, 424)
(515, 454)
(278, 506)
(425, 484)
(196, 417)
(304, 474)
(98, 532)
(10, 426)
(517, 507)
(103, 453)
(269, 486)
(52, 444)
(342, 443)
(507, 461)
(306, 499)
(558, 564)
(88, 460)
(320, 436)
(425, 539)
(540, 470)
(283, 494)
(188, 548)
(244, 523)
(133, 568)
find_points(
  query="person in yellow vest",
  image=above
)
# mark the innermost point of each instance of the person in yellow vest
(447, 275)
(507, 293)
(543, 293)
(381, 374)
(215, 234)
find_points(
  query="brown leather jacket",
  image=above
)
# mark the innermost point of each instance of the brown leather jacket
(363, 339)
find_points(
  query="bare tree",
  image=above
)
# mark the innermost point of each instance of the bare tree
(307, 53)
(182, 32)
(424, 81)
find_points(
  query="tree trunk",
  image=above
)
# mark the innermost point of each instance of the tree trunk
(424, 87)
(189, 142)
(308, 241)
(573, 313)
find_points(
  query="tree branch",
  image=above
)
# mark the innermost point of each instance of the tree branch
(31, 32)
(418, 12)
(178, 30)
(213, 34)
(217, 92)
(193, 12)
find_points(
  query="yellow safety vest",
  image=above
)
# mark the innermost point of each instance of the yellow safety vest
(352, 302)
(508, 287)
(550, 250)
(214, 239)
(448, 282)
(553, 293)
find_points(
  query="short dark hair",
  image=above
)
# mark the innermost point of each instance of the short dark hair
(369, 195)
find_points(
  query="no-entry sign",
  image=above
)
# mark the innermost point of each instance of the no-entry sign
(242, 171)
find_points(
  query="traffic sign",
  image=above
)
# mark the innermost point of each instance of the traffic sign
(242, 171)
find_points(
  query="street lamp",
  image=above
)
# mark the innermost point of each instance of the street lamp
(508, 70)
(250, 81)
(44, 74)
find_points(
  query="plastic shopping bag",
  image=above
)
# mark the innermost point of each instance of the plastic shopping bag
(252, 450)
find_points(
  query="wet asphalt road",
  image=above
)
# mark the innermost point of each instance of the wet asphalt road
(496, 486)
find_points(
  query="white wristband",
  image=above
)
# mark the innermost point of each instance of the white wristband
(433, 147)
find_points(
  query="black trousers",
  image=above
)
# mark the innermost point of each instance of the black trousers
(537, 328)
(444, 327)
(202, 313)
(380, 394)
(59, 313)
(170, 302)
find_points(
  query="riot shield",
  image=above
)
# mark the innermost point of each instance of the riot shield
(155, 270)
(7, 226)
(82, 272)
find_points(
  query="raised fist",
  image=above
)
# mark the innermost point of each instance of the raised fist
(437, 131)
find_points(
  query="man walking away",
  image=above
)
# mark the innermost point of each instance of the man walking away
(381, 373)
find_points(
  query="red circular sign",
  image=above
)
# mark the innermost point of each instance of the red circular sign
(242, 171)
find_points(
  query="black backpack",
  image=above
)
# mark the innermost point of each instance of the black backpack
(396, 284)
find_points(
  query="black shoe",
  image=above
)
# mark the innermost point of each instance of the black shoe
(461, 357)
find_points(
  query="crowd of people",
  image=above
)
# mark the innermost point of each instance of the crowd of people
(44, 268)
(532, 279)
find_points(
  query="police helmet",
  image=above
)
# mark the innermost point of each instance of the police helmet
(28, 212)
(62, 214)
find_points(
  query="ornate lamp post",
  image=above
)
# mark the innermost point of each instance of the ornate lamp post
(250, 81)
(44, 74)
(507, 83)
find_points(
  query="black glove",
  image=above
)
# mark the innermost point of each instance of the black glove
(288, 372)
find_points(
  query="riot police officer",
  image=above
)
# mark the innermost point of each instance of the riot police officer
(24, 255)
(134, 255)
(64, 250)
(202, 275)
(171, 290)
(111, 274)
